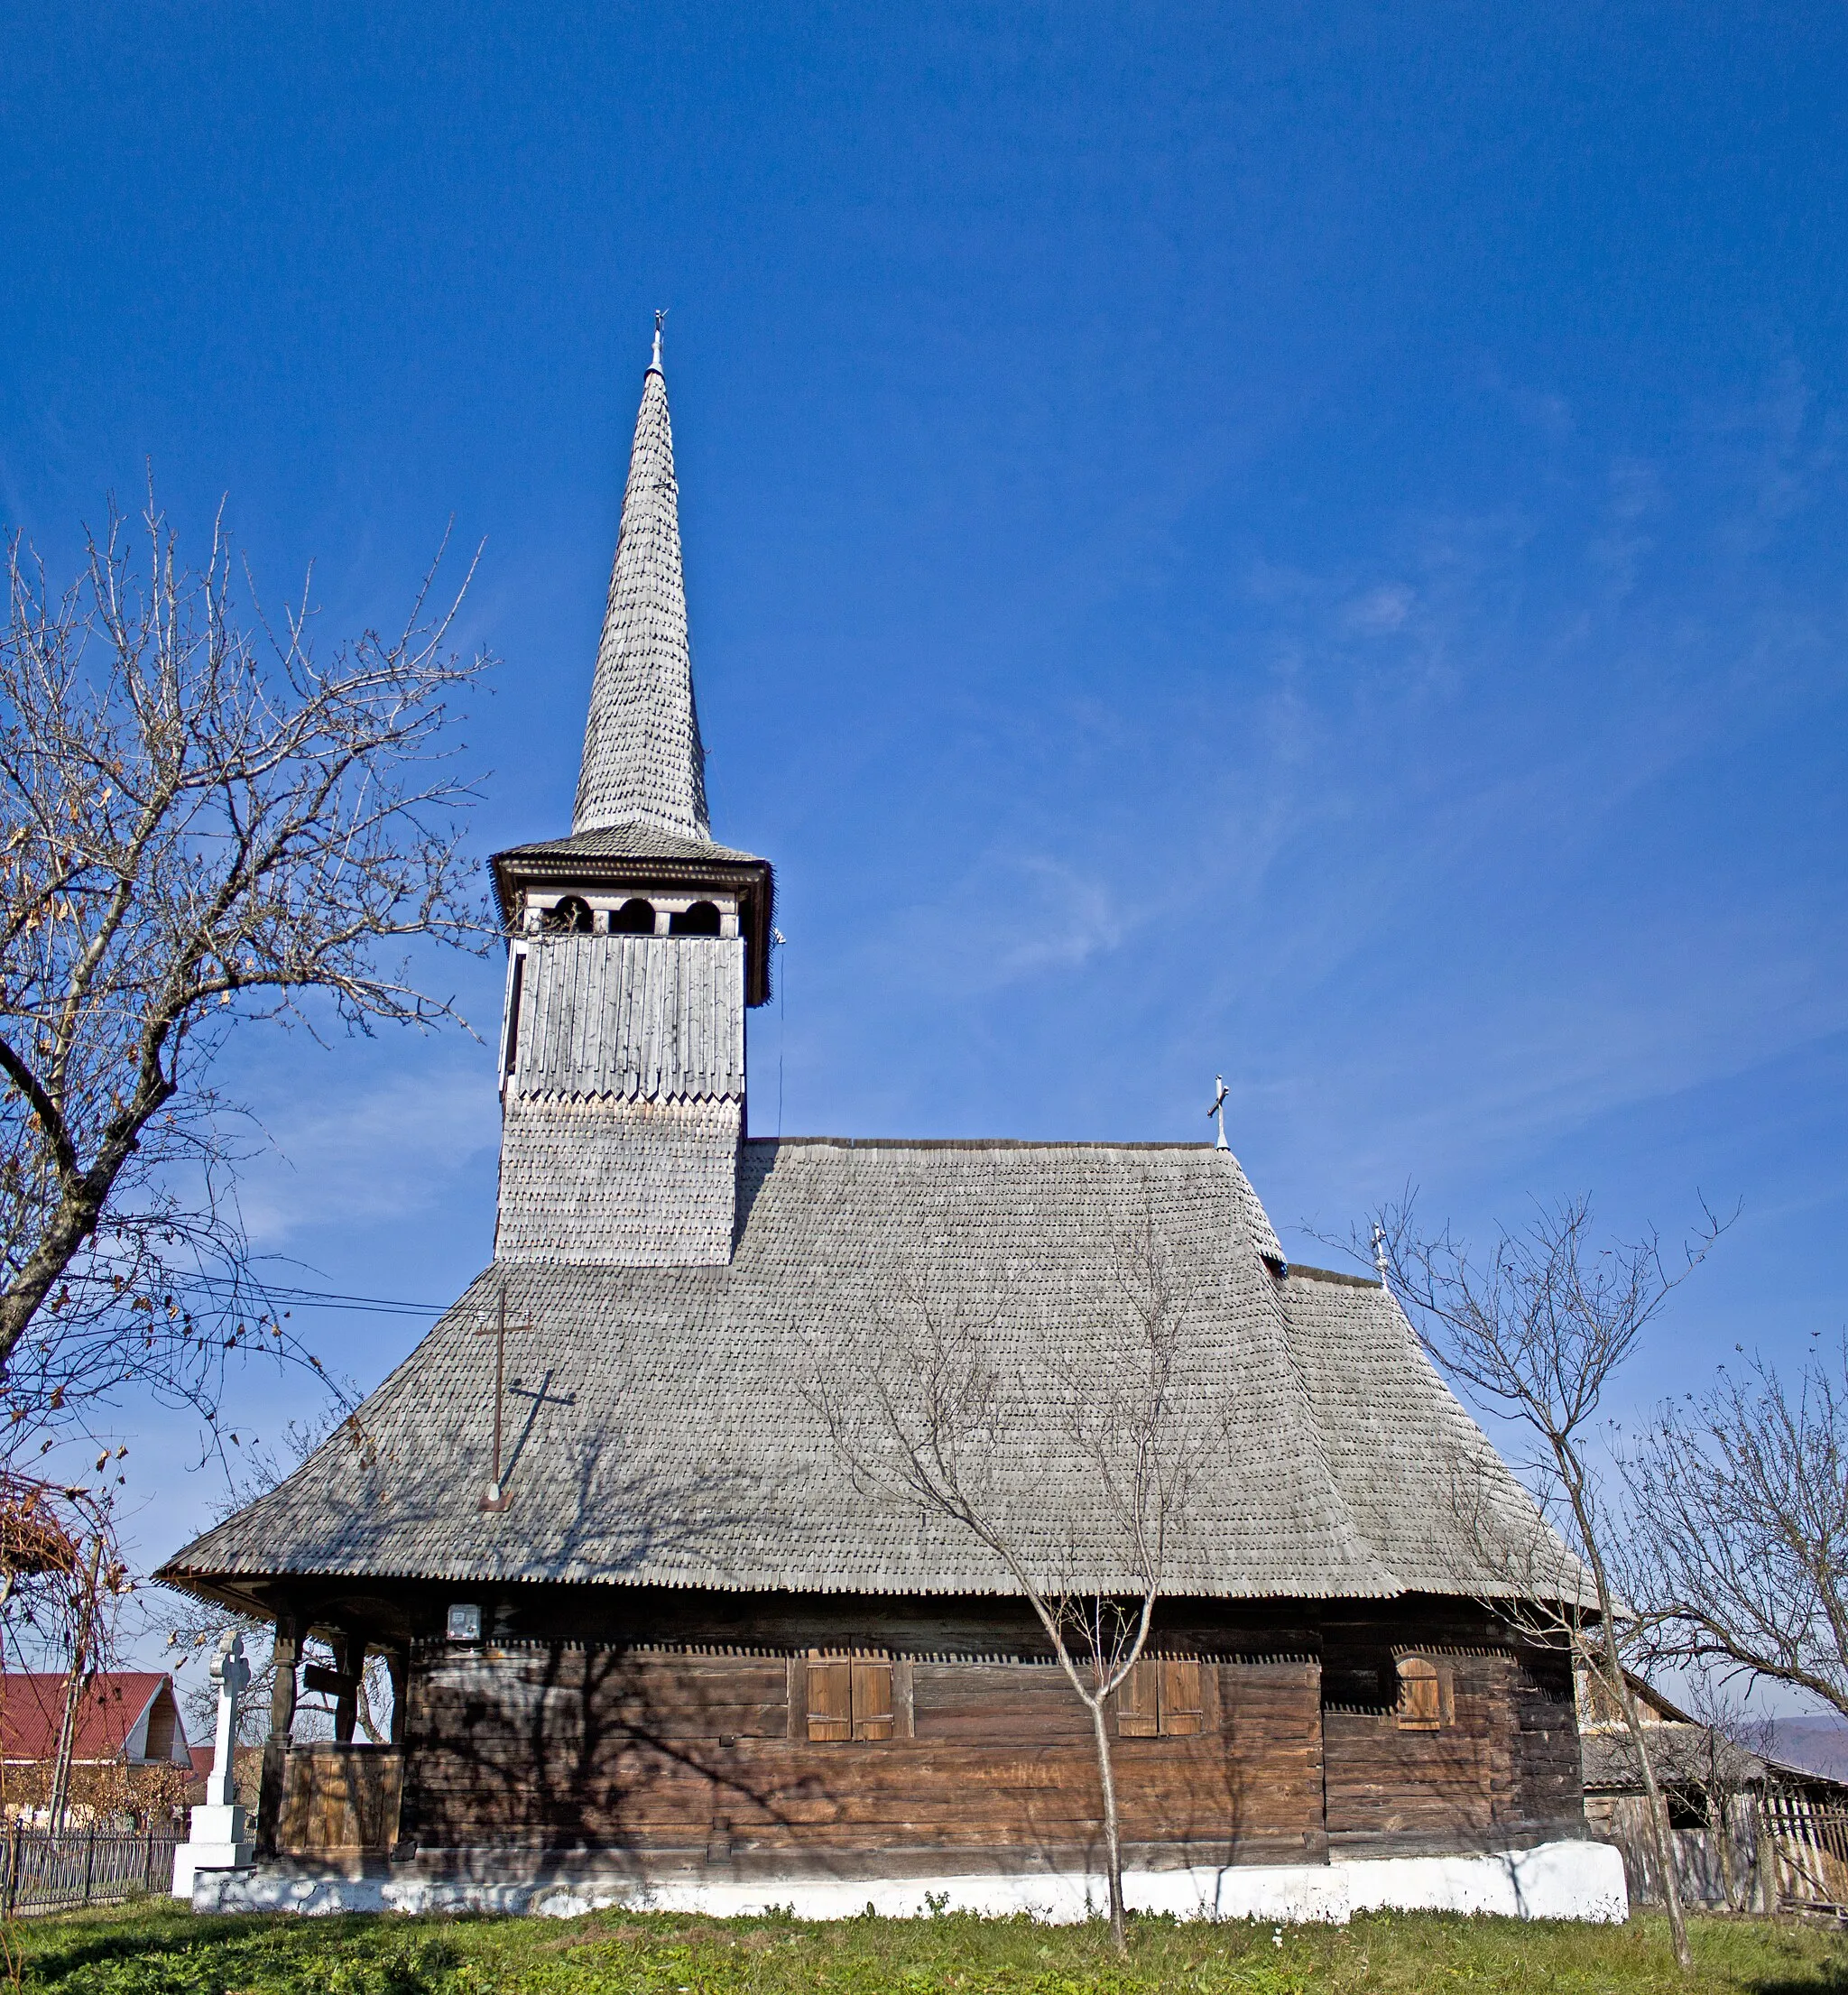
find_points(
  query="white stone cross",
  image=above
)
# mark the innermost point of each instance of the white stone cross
(215, 1839)
(231, 1673)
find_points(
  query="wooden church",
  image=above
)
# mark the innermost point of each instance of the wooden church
(649, 1632)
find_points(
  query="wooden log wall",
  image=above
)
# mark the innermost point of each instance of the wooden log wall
(547, 1745)
(1502, 1767)
(574, 1729)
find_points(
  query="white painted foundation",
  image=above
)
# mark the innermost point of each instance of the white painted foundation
(1556, 1881)
(216, 1839)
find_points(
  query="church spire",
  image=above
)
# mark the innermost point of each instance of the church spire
(642, 760)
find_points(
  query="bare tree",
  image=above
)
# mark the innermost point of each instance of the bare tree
(1536, 1330)
(201, 824)
(940, 1417)
(1740, 1501)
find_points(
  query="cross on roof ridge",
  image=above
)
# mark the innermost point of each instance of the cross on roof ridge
(643, 762)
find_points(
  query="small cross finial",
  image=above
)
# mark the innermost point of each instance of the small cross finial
(1380, 1261)
(654, 366)
(1218, 1109)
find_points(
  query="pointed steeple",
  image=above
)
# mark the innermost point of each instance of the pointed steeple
(642, 760)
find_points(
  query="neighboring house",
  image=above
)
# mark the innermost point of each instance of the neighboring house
(1786, 1834)
(129, 1747)
(641, 1622)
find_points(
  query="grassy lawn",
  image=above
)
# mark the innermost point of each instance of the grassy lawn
(169, 1952)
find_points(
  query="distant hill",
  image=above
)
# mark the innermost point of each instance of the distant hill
(1817, 1745)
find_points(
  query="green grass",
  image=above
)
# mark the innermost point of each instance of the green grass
(169, 1951)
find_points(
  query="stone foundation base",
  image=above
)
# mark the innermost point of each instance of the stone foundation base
(217, 1840)
(1555, 1880)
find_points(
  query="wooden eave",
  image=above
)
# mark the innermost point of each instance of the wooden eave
(752, 881)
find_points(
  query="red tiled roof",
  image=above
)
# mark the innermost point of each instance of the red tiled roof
(32, 1707)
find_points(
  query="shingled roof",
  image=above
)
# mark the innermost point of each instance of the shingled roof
(665, 1430)
(643, 764)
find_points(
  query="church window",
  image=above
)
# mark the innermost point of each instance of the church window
(571, 916)
(701, 919)
(849, 1698)
(1161, 1699)
(633, 918)
(1421, 1695)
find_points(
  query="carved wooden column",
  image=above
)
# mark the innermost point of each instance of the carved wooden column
(405, 1735)
(397, 1662)
(268, 1810)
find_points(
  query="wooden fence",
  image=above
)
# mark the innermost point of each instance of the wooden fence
(90, 1866)
(1803, 1846)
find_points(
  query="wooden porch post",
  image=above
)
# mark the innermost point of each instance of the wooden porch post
(269, 1812)
(410, 1799)
(396, 1663)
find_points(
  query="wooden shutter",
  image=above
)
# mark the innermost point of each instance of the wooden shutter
(1420, 1696)
(830, 1700)
(1138, 1702)
(1183, 1713)
(872, 1700)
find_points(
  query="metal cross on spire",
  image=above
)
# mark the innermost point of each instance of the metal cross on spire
(1383, 1261)
(655, 365)
(1218, 1109)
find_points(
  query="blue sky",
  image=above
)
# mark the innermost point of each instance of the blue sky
(1302, 542)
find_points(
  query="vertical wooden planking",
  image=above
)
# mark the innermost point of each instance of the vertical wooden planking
(1183, 1708)
(1420, 1701)
(831, 1696)
(1138, 1703)
(873, 1705)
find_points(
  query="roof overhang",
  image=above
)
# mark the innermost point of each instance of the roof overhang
(752, 881)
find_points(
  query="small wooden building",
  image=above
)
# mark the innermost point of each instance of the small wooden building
(1748, 1831)
(640, 1616)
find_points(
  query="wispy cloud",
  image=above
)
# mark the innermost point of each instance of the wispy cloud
(1010, 917)
(380, 1153)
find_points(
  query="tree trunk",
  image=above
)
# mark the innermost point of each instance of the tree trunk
(1573, 1476)
(74, 1688)
(1113, 1842)
(1663, 1834)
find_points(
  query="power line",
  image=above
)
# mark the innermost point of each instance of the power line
(326, 1299)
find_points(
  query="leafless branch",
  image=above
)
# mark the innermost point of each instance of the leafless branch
(202, 825)
(931, 1408)
(1741, 1498)
(1536, 1328)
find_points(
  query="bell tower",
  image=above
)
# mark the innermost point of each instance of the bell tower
(635, 946)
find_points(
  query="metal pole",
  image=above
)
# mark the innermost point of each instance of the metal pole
(89, 1860)
(500, 1370)
(12, 1869)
